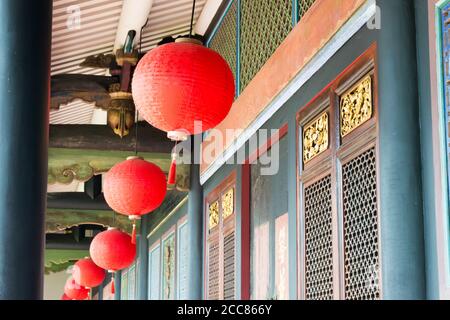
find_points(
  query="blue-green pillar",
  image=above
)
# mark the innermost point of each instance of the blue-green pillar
(426, 137)
(117, 285)
(101, 287)
(402, 244)
(25, 30)
(142, 276)
(195, 227)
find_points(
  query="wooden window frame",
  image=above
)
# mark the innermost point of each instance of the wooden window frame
(155, 246)
(223, 229)
(340, 151)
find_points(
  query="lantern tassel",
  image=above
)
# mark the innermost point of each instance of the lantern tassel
(113, 289)
(133, 233)
(171, 181)
(89, 294)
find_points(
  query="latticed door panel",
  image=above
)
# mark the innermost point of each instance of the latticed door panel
(213, 270)
(220, 263)
(228, 267)
(264, 25)
(360, 211)
(319, 240)
(340, 205)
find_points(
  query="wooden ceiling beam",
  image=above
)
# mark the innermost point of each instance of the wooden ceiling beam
(101, 137)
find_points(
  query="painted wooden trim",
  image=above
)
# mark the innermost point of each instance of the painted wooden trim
(245, 232)
(439, 148)
(170, 214)
(362, 13)
(268, 144)
(219, 23)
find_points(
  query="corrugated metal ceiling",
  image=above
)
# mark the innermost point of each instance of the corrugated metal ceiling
(95, 34)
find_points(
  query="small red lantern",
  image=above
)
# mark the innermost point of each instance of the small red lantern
(134, 187)
(87, 274)
(65, 297)
(74, 291)
(112, 250)
(179, 83)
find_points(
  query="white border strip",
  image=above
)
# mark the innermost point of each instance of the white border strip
(351, 27)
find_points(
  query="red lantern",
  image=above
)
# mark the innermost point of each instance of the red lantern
(112, 250)
(178, 83)
(87, 274)
(74, 291)
(134, 187)
(65, 297)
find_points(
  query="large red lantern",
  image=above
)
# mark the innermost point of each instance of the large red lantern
(74, 291)
(112, 250)
(87, 274)
(134, 187)
(179, 83)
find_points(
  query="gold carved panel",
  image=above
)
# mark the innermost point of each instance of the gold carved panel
(213, 214)
(315, 138)
(228, 203)
(356, 106)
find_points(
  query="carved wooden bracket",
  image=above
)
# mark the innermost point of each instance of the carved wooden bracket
(67, 165)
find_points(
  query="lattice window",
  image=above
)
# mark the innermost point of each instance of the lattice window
(303, 7)
(213, 270)
(228, 267)
(319, 241)
(264, 25)
(220, 263)
(361, 251)
(224, 40)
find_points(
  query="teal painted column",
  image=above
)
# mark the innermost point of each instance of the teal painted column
(142, 275)
(426, 137)
(117, 285)
(101, 287)
(195, 227)
(402, 245)
(25, 30)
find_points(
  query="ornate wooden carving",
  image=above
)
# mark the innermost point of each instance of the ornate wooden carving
(103, 61)
(90, 88)
(213, 214)
(67, 165)
(356, 106)
(58, 220)
(315, 138)
(228, 203)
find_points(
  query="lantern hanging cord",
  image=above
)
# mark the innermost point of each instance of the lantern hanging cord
(192, 19)
(136, 134)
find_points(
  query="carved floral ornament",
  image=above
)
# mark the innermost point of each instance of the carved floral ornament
(356, 106)
(315, 138)
(228, 203)
(213, 214)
